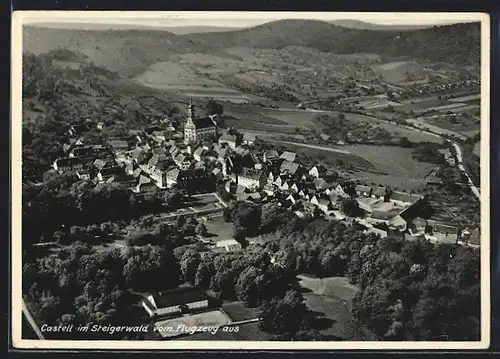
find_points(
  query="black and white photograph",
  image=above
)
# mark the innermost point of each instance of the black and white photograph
(250, 180)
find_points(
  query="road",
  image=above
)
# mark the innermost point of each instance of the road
(461, 167)
(32, 322)
(322, 148)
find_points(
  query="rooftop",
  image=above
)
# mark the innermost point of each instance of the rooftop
(179, 296)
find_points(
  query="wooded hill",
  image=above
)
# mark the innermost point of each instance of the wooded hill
(131, 51)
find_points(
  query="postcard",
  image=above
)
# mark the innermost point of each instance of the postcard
(250, 180)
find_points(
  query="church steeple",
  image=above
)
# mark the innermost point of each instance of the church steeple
(190, 110)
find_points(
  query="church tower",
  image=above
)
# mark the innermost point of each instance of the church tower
(190, 128)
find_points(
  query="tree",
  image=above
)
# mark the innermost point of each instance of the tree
(201, 229)
(351, 208)
(189, 265)
(404, 142)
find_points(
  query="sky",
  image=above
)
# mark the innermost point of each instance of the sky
(234, 19)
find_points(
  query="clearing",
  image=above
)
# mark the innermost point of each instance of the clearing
(396, 161)
(218, 229)
(332, 297)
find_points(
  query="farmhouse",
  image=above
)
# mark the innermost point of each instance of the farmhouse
(176, 302)
(197, 129)
(249, 178)
(230, 245)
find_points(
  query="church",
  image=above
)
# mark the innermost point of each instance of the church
(198, 129)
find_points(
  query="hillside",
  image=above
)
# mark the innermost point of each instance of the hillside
(450, 43)
(130, 52)
(363, 25)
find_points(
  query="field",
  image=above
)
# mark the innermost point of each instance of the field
(332, 297)
(218, 229)
(400, 72)
(237, 312)
(174, 327)
(396, 161)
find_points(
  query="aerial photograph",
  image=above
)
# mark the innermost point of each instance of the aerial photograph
(260, 178)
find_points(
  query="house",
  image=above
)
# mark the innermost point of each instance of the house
(63, 165)
(118, 145)
(198, 153)
(404, 199)
(197, 180)
(100, 125)
(232, 141)
(176, 301)
(294, 188)
(443, 232)
(399, 223)
(158, 136)
(288, 156)
(379, 192)
(341, 191)
(270, 155)
(292, 199)
(248, 138)
(197, 129)
(320, 184)
(145, 184)
(363, 191)
(288, 167)
(317, 171)
(250, 178)
(433, 181)
(230, 245)
(324, 137)
(324, 204)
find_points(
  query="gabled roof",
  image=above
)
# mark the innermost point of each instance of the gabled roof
(118, 144)
(320, 183)
(153, 161)
(179, 296)
(144, 180)
(379, 191)
(404, 197)
(250, 173)
(290, 167)
(204, 122)
(288, 156)
(362, 188)
(136, 153)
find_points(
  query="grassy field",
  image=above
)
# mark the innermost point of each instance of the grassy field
(174, 327)
(218, 229)
(399, 182)
(237, 312)
(332, 297)
(396, 161)
(311, 156)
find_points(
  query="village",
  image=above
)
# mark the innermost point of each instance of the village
(201, 158)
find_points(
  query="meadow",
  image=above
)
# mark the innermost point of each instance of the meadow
(332, 297)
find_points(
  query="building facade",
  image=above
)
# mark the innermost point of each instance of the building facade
(198, 129)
